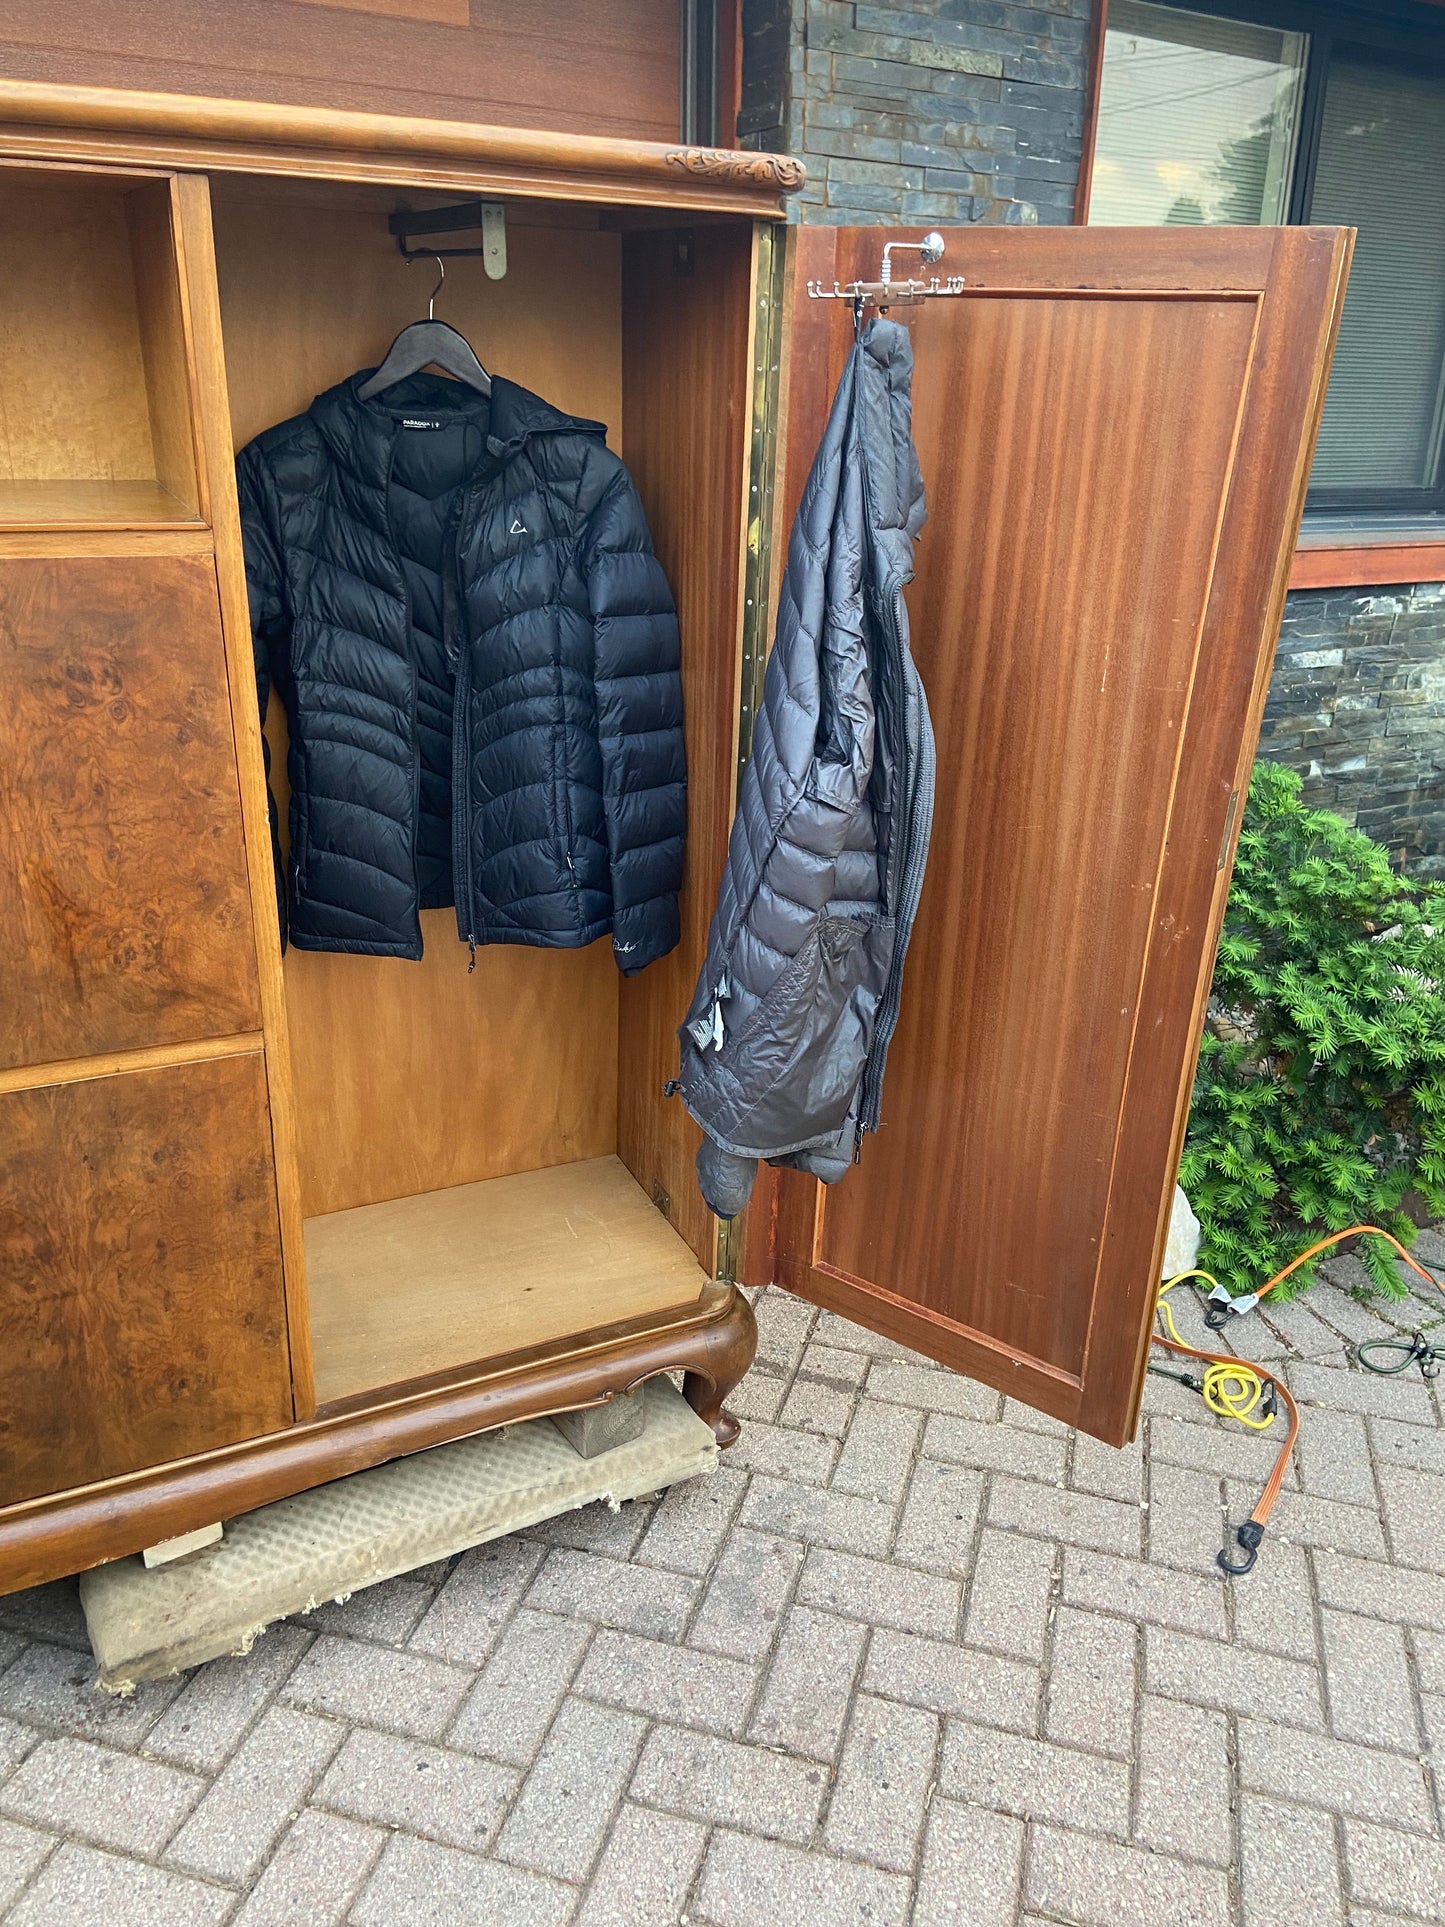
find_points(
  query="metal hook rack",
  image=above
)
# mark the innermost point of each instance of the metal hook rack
(885, 292)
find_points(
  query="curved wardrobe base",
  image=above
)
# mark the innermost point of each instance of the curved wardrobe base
(711, 1342)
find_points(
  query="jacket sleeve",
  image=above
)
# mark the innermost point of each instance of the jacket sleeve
(270, 618)
(639, 718)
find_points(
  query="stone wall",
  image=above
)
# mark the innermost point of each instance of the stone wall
(1357, 706)
(939, 111)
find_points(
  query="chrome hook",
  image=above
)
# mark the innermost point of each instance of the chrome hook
(441, 277)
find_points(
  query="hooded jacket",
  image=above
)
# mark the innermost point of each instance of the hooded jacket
(457, 599)
(784, 1045)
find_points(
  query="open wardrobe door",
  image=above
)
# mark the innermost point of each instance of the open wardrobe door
(1115, 428)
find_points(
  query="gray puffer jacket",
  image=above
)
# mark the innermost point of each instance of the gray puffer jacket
(783, 1048)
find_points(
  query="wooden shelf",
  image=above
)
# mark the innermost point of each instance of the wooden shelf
(421, 1285)
(93, 505)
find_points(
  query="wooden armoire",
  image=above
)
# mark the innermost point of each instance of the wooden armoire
(266, 1221)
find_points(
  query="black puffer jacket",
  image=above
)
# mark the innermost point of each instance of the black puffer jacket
(459, 604)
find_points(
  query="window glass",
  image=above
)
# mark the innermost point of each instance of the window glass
(1197, 119)
(1381, 169)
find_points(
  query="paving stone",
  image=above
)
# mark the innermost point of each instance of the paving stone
(1109, 1471)
(746, 1595)
(639, 1599)
(692, 1521)
(114, 1799)
(669, 1682)
(818, 1516)
(1016, 1412)
(1007, 1604)
(1186, 1516)
(784, 1323)
(53, 1688)
(947, 1678)
(22, 1849)
(783, 1453)
(646, 1872)
(1274, 1610)
(1097, 1884)
(880, 1798)
(932, 1391)
(51, 1613)
(15, 1742)
(1404, 1398)
(1430, 1660)
(202, 1728)
(82, 1887)
(998, 1448)
(419, 1884)
(1396, 1444)
(1183, 1781)
(597, 1527)
(386, 1612)
(730, 1782)
(804, 1705)
(1414, 1508)
(759, 1883)
(1316, 1771)
(877, 1457)
(246, 1810)
(314, 1875)
(403, 1692)
(11, 1646)
(559, 1821)
(1092, 1682)
(1394, 1869)
(1374, 1590)
(1076, 1518)
(1188, 1602)
(841, 1333)
(1226, 1451)
(1296, 1323)
(1334, 1457)
(970, 1872)
(1166, 1398)
(940, 1518)
(1367, 1682)
(1291, 1875)
(508, 1711)
(430, 1790)
(1033, 1779)
(822, 1400)
(758, 1398)
(1231, 1679)
(1345, 1314)
(1306, 1521)
(883, 1595)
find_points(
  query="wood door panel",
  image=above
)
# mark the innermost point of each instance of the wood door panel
(1113, 427)
(140, 1273)
(125, 916)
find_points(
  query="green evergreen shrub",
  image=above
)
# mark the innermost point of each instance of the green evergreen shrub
(1319, 1100)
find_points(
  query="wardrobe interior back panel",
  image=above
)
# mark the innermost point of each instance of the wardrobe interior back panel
(414, 1076)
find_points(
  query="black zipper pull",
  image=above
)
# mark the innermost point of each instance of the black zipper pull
(471, 954)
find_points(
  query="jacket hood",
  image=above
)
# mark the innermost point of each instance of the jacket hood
(360, 433)
(895, 482)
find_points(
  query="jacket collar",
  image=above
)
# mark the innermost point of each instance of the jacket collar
(360, 433)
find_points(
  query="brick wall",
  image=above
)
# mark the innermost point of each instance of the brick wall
(940, 111)
(952, 111)
(1357, 706)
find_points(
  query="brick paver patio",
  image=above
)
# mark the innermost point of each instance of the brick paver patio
(914, 1656)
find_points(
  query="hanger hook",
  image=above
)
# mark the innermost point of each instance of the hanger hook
(441, 277)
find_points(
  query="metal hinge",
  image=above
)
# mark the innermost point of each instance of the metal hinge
(1228, 829)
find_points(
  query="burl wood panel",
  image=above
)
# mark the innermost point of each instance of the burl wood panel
(125, 919)
(412, 1077)
(687, 395)
(140, 1284)
(509, 63)
(1085, 575)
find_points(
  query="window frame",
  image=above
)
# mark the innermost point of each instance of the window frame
(1414, 29)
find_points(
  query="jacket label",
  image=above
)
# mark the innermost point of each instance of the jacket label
(411, 421)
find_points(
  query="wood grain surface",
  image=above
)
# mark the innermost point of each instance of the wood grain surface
(525, 63)
(125, 917)
(687, 394)
(418, 1286)
(140, 1285)
(1099, 554)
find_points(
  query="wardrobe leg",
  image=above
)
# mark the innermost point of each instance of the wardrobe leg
(724, 1352)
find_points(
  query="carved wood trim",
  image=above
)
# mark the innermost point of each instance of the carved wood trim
(782, 172)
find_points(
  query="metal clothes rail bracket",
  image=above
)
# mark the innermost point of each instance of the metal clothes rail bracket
(488, 216)
(885, 292)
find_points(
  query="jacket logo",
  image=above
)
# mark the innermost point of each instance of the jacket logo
(517, 527)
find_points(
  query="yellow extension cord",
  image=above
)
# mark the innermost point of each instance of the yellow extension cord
(1234, 1390)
